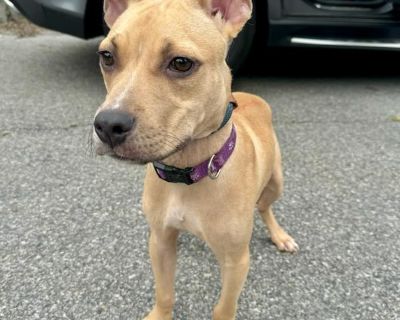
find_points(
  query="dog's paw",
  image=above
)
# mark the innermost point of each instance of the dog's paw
(155, 314)
(152, 317)
(285, 243)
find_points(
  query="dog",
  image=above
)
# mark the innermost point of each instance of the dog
(212, 156)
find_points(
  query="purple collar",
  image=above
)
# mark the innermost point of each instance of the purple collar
(210, 167)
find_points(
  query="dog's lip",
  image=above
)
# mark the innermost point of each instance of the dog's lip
(104, 152)
(118, 152)
(138, 160)
(120, 155)
(134, 160)
(124, 158)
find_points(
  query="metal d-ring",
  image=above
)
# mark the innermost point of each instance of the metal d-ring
(213, 175)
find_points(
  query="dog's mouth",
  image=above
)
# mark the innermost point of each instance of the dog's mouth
(139, 153)
(144, 158)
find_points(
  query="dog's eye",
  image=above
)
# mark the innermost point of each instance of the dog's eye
(106, 58)
(181, 64)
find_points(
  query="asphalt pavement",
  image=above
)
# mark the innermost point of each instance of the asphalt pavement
(73, 240)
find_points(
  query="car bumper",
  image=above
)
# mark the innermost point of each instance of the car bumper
(65, 16)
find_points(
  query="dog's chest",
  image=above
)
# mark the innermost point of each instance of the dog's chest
(174, 217)
(181, 215)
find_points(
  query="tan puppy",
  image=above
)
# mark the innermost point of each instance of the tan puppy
(168, 87)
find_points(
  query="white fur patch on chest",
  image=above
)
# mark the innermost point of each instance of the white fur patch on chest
(181, 216)
(174, 212)
(175, 217)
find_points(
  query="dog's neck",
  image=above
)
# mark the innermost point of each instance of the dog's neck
(198, 150)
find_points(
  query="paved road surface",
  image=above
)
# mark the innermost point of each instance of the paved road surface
(73, 238)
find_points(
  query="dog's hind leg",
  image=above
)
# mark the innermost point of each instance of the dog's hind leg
(270, 194)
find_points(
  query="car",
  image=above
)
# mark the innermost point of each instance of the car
(364, 24)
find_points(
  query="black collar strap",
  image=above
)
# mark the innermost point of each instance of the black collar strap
(210, 167)
(228, 114)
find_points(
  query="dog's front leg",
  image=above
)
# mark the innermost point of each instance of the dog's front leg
(234, 269)
(162, 245)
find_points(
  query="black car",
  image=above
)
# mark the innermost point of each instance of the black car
(365, 24)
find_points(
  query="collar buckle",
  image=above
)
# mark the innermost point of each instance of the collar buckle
(173, 174)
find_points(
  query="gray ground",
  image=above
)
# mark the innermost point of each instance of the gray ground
(73, 238)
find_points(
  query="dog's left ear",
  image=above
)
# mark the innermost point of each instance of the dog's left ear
(113, 9)
(231, 15)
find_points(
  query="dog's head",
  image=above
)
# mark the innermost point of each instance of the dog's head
(163, 64)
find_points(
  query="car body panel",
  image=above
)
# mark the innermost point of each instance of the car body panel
(81, 18)
(375, 23)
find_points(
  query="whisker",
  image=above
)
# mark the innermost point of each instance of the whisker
(89, 144)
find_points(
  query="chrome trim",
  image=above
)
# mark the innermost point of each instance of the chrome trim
(335, 8)
(345, 43)
(384, 8)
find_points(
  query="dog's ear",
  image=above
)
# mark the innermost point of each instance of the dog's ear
(113, 9)
(230, 14)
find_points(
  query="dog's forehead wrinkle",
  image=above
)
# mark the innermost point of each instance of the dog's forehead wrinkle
(183, 32)
(171, 49)
(166, 47)
(113, 40)
(106, 44)
(189, 40)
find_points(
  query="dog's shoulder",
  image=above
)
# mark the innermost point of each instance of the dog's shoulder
(252, 106)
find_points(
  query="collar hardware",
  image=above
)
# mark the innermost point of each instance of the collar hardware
(173, 174)
(212, 173)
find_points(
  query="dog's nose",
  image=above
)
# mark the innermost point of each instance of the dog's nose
(113, 127)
